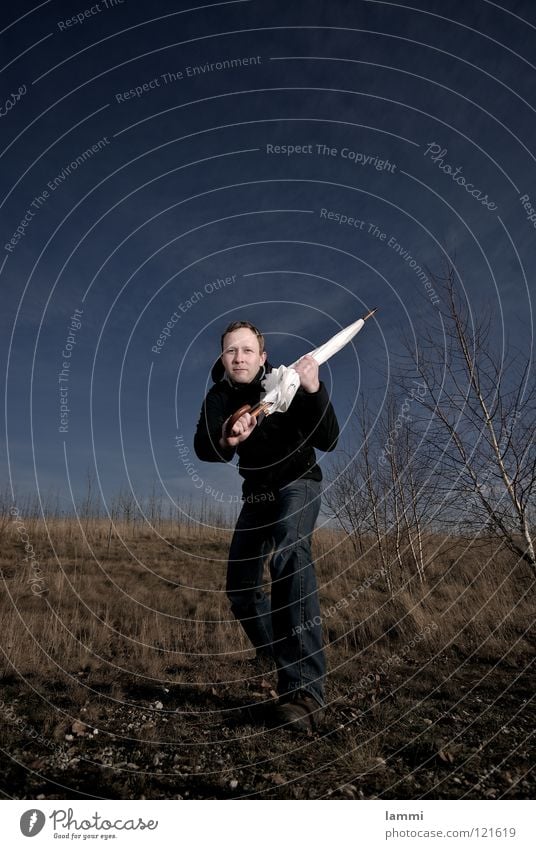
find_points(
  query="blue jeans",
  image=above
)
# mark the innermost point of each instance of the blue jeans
(286, 626)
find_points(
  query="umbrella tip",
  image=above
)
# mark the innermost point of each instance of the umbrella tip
(370, 314)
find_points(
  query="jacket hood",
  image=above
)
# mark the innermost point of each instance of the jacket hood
(218, 373)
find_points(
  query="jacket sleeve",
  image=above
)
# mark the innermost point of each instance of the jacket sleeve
(314, 415)
(208, 433)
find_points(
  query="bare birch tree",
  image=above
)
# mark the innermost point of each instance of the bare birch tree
(451, 451)
(380, 490)
(480, 406)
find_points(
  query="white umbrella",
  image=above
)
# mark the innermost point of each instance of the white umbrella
(282, 383)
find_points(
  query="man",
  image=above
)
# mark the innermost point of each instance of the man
(281, 495)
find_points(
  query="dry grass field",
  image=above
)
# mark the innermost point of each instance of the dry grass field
(125, 676)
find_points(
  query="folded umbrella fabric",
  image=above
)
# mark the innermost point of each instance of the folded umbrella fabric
(282, 383)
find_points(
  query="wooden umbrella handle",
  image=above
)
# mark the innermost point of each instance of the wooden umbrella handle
(247, 408)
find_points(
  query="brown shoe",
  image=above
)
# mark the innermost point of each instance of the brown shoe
(297, 711)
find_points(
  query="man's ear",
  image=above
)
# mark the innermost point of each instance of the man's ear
(264, 355)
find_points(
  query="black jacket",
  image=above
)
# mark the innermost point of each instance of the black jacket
(281, 447)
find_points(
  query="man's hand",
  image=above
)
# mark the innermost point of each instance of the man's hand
(307, 368)
(241, 429)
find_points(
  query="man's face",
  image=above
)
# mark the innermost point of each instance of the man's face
(241, 356)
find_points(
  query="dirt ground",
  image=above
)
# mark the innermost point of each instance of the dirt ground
(98, 700)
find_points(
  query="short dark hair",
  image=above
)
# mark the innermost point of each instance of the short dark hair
(236, 325)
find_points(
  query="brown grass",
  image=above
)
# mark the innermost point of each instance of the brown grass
(133, 617)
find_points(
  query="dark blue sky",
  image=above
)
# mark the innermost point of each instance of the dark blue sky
(163, 158)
